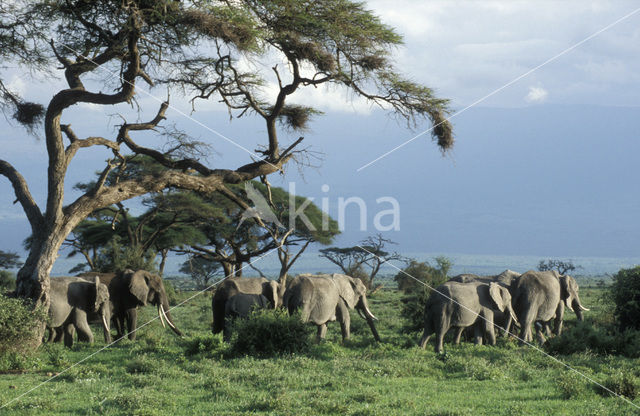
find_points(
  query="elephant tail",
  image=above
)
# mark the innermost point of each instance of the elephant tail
(218, 306)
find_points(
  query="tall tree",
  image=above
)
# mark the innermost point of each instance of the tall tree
(321, 42)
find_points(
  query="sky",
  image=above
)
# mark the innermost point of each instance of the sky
(546, 119)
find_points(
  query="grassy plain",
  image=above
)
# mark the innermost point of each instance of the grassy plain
(156, 375)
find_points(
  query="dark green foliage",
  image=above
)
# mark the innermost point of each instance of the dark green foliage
(210, 346)
(562, 267)
(622, 383)
(7, 281)
(571, 385)
(417, 280)
(269, 333)
(625, 293)
(18, 319)
(585, 337)
(202, 270)
(9, 260)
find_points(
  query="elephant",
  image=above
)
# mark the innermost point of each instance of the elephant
(542, 296)
(235, 285)
(460, 305)
(241, 305)
(505, 279)
(73, 300)
(323, 298)
(128, 290)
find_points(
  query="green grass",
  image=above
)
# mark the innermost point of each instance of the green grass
(160, 374)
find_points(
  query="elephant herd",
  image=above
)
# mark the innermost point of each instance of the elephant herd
(480, 303)
(476, 304)
(104, 297)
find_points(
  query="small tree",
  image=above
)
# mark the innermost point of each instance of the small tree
(625, 293)
(202, 270)
(8, 260)
(562, 267)
(417, 281)
(363, 260)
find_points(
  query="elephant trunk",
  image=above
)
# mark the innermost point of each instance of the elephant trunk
(578, 308)
(106, 318)
(364, 309)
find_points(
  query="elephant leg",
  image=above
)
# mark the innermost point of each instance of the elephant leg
(343, 316)
(69, 332)
(527, 322)
(84, 331)
(443, 326)
(118, 321)
(459, 331)
(557, 328)
(507, 326)
(477, 334)
(132, 320)
(322, 331)
(58, 334)
(539, 332)
(489, 330)
(428, 331)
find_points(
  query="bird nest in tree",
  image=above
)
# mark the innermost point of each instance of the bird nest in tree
(28, 113)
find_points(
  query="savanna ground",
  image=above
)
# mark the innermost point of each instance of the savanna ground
(160, 374)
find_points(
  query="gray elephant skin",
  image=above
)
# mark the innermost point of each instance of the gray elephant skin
(539, 297)
(326, 298)
(128, 290)
(240, 306)
(231, 287)
(461, 305)
(73, 302)
(506, 279)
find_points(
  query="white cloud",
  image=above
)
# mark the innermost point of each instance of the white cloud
(536, 95)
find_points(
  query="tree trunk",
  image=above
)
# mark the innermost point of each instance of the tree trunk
(163, 254)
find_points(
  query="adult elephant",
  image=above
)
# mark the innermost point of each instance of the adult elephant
(505, 279)
(542, 296)
(462, 305)
(73, 301)
(240, 306)
(236, 285)
(324, 298)
(128, 290)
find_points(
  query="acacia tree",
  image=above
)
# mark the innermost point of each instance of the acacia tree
(322, 42)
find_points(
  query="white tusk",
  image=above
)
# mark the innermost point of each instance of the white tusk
(160, 316)
(167, 318)
(104, 321)
(582, 308)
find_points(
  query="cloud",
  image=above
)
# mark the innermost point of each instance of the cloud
(536, 95)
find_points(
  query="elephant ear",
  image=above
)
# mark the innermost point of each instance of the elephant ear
(496, 295)
(139, 286)
(347, 288)
(566, 290)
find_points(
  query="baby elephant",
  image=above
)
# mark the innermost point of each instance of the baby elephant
(461, 305)
(241, 305)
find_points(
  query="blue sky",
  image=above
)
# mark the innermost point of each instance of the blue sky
(544, 167)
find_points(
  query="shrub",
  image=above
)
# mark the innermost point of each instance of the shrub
(580, 338)
(211, 346)
(621, 383)
(17, 322)
(268, 333)
(625, 293)
(571, 385)
(170, 290)
(7, 281)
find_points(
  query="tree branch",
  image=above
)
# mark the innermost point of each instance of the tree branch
(23, 195)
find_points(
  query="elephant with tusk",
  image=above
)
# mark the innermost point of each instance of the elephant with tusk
(128, 290)
(73, 302)
(540, 297)
(324, 298)
(463, 305)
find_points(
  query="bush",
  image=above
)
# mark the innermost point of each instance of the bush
(268, 333)
(571, 385)
(625, 293)
(211, 346)
(170, 290)
(580, 338)
(620, 383)
(7, 281)
(17, 322)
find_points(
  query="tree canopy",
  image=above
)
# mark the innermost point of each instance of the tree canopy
(200, 48)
